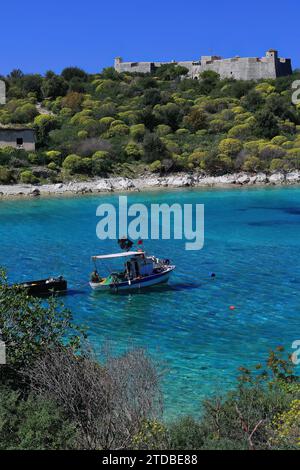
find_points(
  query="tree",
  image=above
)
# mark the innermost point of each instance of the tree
(44, 124)
(171, 71)
(73, 101)
(32, 84)
(33, 423)
(101, 163)
(196, 120)
(74, 72)
(110, 73)
(29, 326)
(54, 86)
(152, 96)
(170, 114)
(208, 81)
(252, 101)
(266, 124)
(24, 113)
(154, 149)
(107, 402)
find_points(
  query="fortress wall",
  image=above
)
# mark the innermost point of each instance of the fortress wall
(242, 68)
(239, 68)
(140, 67)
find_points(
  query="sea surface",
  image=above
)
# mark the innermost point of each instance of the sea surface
(252, 244)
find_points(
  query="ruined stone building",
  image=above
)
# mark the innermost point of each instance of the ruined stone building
(17, 137)
(239, 68)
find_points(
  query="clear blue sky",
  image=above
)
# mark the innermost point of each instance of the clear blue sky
(37, 36)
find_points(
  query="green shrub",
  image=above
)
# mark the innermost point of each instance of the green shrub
(28, 178)
(137, 132)
(6, 176)
(133, 150)
(252, 164)
(33, 424)
(230, 147)
(155, 167)
(276, 164)
(73, 163)
(52, 166)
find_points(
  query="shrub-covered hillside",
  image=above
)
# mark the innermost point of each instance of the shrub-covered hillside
(126, 124)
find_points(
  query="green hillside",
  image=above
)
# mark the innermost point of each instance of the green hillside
(126, 124)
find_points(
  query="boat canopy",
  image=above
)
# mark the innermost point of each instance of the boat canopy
(119, 255)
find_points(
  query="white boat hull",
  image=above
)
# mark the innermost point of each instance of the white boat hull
(147, 281)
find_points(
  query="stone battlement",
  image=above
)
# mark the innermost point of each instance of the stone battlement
(239, 68)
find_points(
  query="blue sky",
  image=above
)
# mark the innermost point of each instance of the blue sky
(37, 36)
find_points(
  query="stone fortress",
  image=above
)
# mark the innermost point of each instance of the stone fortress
(239, 68)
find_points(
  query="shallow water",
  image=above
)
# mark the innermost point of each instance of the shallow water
(252, 243)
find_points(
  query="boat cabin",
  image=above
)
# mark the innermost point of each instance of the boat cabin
(138, 266)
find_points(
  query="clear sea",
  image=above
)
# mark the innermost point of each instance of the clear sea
(252, 244)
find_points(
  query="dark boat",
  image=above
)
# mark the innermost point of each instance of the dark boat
(44, 287)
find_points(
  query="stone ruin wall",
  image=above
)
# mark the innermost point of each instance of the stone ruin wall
(239, 68)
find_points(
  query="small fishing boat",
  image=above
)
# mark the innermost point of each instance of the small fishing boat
(44, 287)
(139, 271)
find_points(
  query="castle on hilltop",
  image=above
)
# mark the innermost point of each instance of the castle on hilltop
(240, 68)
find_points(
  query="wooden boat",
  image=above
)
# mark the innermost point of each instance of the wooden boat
(139, 271)
(44, 287)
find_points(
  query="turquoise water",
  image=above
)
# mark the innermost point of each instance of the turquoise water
(252, 243)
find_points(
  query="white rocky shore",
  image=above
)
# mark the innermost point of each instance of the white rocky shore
(147, 182)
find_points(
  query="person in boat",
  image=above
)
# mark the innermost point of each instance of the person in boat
(125, 244)
(95, 278)
(128, 270)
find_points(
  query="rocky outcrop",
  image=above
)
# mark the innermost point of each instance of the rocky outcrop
(150, 181)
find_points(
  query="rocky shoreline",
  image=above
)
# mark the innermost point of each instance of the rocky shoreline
(148, 182)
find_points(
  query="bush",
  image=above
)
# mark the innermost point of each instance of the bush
(33, 424)
(73, 163)
(6, 154)
(137, 132)
(271, 151)
(6, 176)
(252, 164)
(52, 166)
(230, 147)
(27, 177)
(163, 130)
(241, 131)
(266, 124)
(156, 166)
(133, 150)
(276, 164)
(101, 162)
(154, 149)
(197, 119)
(186, 433)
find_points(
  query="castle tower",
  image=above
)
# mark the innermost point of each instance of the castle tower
(272, 54)
(118, 61)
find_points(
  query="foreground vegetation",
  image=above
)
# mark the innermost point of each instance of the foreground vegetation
(127, 124)
(55, 394)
